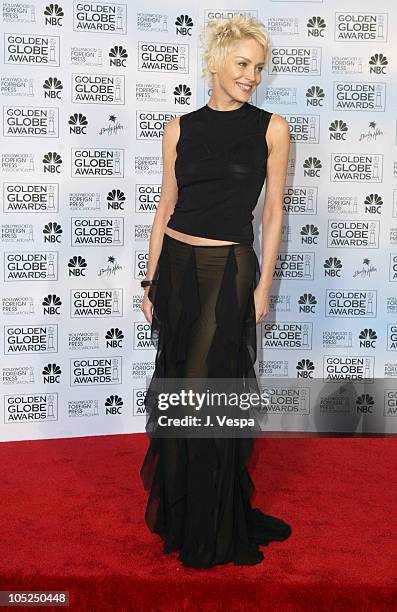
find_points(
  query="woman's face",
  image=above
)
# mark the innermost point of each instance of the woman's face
(241, 74)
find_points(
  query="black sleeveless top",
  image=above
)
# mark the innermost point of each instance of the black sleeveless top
(220, 169)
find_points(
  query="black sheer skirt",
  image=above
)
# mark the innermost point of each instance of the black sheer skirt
(204, 326)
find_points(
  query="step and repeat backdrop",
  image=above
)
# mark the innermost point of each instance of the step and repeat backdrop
(86, 88)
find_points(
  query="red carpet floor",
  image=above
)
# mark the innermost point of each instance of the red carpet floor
(72, 519)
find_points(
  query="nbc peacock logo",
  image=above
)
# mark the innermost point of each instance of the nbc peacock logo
(182, 94)
(51, 304)
(367, 338)
(116, 199)
(305, 368)
(52, 162)
(77, 266)
(312, 167)
(51, 373)
(113, 404)
(184, 25)
(332, 267)
(316, 27)
(307, 303)
(77, 124)
(378, 63)
(118, 57)
(52, 88)
(52, 232)
(315, 96)
(338, 130)
(309, 234)
(114, 337)
(53, 14)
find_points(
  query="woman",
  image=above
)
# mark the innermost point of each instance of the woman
(205, 294)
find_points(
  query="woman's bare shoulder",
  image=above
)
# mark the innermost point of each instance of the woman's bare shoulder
(278, 130)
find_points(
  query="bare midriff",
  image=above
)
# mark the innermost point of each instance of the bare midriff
(195, 240)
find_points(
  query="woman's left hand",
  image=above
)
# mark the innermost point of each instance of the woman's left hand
(262, 299)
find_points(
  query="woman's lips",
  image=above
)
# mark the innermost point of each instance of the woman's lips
(243, 86)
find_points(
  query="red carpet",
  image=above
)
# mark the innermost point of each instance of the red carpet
(72, 519)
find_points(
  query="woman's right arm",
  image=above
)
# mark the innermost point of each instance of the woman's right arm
(165, 208)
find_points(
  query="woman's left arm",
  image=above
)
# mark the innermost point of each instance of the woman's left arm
(278, 142)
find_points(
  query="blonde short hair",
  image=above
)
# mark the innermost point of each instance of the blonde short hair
(219, 36)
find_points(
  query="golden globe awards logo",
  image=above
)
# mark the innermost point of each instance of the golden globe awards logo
(359, 96)
(351, 303)
(142, 337)
(353, 234)
(361, 26)
(147, 197)
(295, 60)
(32, 266)
(30, 339)
(30, 121)
(361, 167)
(291, 335)
(100, 17)
(96, 303)
(352, 367)
(95, 371)
(300, 199)
(32, 49)
(30, 197)
(98, 231)
(97, 163)
(30, 407)
(393, 267)
(163, 57)
(98, 88)
(294, 265)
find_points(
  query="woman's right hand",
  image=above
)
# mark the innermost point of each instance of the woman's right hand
(147, 306)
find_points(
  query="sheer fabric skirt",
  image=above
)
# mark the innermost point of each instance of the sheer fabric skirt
(204, 325)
